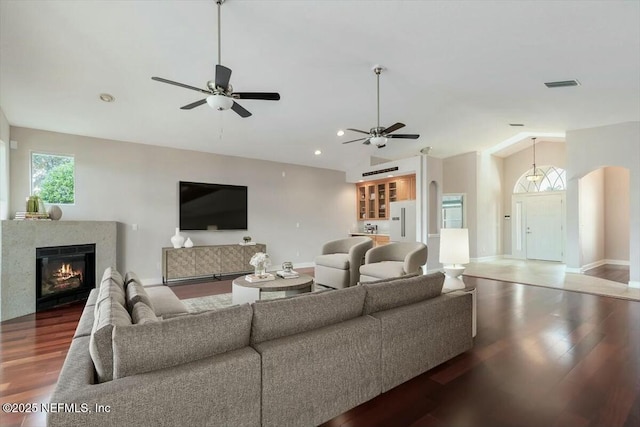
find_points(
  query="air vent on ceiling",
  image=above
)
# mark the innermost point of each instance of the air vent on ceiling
(387, 170)
(516, 124)
(563, 83)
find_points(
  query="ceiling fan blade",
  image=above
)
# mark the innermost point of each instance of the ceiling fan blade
(240, 110)
(267, 96)
(367, 141)
(403, 135)
(381, 146)
(194, 104)
(393, 128)
(354, 140)
(223, 75)
(358, 130)
(171, 82)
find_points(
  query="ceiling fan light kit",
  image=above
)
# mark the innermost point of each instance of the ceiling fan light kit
(379, 136)
(220, 93)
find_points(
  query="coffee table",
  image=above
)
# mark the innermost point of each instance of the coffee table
(243, 291)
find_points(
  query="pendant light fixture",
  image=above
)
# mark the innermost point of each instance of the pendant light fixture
(534, 176)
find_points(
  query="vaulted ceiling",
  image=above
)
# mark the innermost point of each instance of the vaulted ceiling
(457, 72)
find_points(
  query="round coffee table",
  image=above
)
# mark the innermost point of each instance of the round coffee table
(243, 291)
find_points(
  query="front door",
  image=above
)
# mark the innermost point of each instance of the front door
(541, 226)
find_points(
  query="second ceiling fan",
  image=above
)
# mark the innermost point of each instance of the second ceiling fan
(378, 135)
(220, 93)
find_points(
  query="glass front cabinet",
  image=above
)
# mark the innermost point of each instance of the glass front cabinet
(373, 197)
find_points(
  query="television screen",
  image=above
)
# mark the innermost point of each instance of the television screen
(212, 206)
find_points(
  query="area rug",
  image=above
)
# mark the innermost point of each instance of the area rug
(214, 302)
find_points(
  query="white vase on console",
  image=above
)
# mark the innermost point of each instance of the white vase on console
(177, 240)
(188, 243)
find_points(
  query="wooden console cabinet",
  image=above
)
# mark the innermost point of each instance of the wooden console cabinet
(207, 261)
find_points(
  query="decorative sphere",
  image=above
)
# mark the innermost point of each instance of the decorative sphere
(55, 213)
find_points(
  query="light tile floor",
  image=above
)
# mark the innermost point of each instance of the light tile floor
(550, 275)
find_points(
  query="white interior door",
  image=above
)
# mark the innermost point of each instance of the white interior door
(544, 227)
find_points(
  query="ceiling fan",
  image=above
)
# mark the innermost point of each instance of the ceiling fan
(378, 135)
(220, 93)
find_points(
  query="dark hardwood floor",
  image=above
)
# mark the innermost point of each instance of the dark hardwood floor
(615, 273)
(542, 357)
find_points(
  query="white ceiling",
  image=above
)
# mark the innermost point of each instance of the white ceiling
(457, 72)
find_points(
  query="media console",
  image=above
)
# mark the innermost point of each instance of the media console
(207, 261)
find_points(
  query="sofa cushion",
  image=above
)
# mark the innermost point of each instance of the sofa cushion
(109, 288)
(164, 301)
(136, 293)
(142, 313)
(389, 279)
(402, 291)
(157, 345)
(384, 269)
(110, 313)
(282, 317)
(129, 277)
(339, 261)
(112, 273)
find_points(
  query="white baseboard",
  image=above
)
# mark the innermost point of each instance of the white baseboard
(603, 262)
(486, 258)
(617, 262)
(634, 284)
(152, 281)
(592, 265)
(304, 264)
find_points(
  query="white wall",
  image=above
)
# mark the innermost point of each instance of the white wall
(131, 183)
(616, 202)
(514, 166)
(489, 205)
(434, 185)
(591, 149)
(591, 218)
(460, 176)
(4, 166)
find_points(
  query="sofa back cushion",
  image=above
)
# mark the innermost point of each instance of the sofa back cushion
(136, 293)
(112, 285)
(142, 313)
(158, 345)
(385, 295)
(109, 314)
(282, 317)
(129, 277)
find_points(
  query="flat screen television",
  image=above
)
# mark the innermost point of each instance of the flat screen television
(212, 206)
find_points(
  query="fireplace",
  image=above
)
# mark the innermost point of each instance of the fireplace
(64, 274)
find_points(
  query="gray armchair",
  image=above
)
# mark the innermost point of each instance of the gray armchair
(393, 260)
(338, 265)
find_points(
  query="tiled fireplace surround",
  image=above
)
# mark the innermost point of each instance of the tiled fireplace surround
(18, 243)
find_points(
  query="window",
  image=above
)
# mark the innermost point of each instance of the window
(53, 178)
(453, 211)
(553, 179)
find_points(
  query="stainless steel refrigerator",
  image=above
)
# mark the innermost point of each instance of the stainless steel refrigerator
(402, 227)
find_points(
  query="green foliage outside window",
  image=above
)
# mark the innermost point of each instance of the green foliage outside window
(52, 178)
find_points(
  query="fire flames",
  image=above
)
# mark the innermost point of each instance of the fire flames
(66, 272)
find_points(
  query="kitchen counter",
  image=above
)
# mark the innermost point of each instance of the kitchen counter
(378, 238)
(369, 234)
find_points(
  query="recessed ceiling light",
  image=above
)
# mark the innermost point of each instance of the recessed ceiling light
(317, 152)
(361, 180)
(562, 83)
(516, 124)
(107, 97)
(340, 132)
(389, 176)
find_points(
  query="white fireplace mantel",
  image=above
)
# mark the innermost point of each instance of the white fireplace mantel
(18, 243)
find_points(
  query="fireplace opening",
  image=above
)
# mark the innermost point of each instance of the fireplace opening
(64, 274)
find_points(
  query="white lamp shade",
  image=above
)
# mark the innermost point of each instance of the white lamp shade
(219, 102)
(378, 140)
(454, 246)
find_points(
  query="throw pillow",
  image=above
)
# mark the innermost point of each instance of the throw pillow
(136, 293)
(142, 313)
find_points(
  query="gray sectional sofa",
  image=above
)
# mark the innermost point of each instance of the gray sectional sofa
(295, 361)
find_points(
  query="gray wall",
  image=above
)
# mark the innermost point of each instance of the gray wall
(460, 176)
(4, 166)
(616, 202)
(292, 209)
